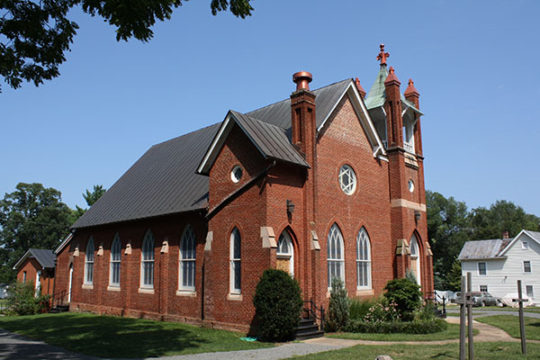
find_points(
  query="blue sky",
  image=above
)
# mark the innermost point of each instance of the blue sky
(475, 64)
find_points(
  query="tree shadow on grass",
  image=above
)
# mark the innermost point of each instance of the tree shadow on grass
(106, 336)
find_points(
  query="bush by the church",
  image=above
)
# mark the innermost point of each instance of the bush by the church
(406, 295)
(22, 300)
(338, 308)
(278, 304)
(390, 327)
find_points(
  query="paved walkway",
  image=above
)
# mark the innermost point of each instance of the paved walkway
(477, 312)
(17, 347)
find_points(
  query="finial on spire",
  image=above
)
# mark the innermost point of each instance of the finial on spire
(411, 90)
(382, 55)
(392, 77)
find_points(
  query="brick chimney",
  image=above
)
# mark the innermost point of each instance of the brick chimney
(303, 120)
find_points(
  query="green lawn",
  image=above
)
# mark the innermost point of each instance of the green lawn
(451, 333)
(498, 308)
(510, 324)
(482, 351)
(113, 337)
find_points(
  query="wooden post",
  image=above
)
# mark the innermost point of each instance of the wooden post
(470, 316)
(462, 303)
(521, 321)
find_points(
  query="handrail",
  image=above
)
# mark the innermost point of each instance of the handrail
(315, 312)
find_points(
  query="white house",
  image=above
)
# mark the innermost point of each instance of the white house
(497, 264)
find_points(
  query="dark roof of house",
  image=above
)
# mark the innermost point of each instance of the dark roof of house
(44, 257)
(164, 180)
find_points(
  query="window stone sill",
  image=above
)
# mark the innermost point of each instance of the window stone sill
(146, 290)
(113, 288)
(234, 297)
(88, 286)
(188, 293)
(364, 292)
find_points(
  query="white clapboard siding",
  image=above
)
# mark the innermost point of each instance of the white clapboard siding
(502, 274)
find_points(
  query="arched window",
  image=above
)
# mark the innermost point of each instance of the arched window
(335, 255)
(147, 261)
(235, 257)
(116, 248)
(186, 278)
(89, 262)
(285, 253)
(415, 259)
(363, 260)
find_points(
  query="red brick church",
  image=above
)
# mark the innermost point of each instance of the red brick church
(327, 183)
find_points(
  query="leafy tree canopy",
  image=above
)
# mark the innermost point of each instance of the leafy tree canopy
(34, 35)
(30, 217)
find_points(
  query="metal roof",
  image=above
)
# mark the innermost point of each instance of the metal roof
(44, 257)
(279, 113)
(483, 249)
(164, 180)
(376, 96)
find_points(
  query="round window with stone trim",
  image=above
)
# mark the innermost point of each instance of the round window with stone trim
(236, 174)
(347, 179)
(411, 185)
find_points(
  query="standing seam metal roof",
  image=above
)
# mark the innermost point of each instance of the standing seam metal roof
(164, 180)
(44, 257)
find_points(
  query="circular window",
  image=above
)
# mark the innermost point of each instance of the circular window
(411, 185)
(236, 174)
(347, 179)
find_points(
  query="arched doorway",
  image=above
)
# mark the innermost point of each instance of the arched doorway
(285, 253)
(415, 259)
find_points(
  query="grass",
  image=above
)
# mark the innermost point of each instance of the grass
(452, 332)
(482, 351)
(510, 324)
(498, 308)
(114, 337)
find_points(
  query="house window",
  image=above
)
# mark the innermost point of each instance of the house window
(187, 260)
(116, 257)
(24, 277)
(530, 292)
(363, 260)
(527, 266)
(38, 282)
(482, 268)
(89, 262)
(147, 261)
(236, 266)
(335, 260)
(483, 288)
(347, 179)
(525, 245)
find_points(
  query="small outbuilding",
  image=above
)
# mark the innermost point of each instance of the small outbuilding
(37, 266)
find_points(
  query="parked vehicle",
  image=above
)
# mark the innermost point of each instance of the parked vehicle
(482, 298)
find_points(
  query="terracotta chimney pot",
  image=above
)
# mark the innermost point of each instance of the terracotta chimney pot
(302, 80)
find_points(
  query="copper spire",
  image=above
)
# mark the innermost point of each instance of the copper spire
(382, 55)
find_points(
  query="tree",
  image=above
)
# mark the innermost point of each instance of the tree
(448, 229)
(30, 217)
(90, 197)
(34, 35)
(500, 217)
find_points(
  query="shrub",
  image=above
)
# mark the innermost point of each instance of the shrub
(382, 311)
(277, 305)
(406, 295)
(338, 309)
(22, 300)
(358, 309)
(390, 327)
(426, 312)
